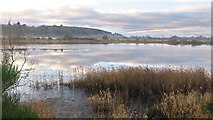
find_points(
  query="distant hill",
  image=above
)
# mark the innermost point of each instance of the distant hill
(56, 31)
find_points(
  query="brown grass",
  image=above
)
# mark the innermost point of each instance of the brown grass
(147, 83)
(182, 92)
(41, 108)
(106, 105)
(183, 106)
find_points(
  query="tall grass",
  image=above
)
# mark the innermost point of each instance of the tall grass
(106, 105)
(183, 106)
(147, 83)
(174, 93)
(41, 108)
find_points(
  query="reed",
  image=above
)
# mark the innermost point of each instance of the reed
(182, 106)
(106, 105)
(41, 108)
(147, 83)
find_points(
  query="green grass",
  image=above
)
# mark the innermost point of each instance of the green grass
(207, 106)
(11, 108)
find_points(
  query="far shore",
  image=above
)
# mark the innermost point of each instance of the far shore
(108, 41)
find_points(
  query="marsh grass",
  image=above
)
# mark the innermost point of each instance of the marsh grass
(41, 108)
(164, 93)
(106, 105)
(146, 83)
(182, 106)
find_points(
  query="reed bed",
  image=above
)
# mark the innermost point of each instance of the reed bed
(41, 108)
(147, 83)
(165, 92)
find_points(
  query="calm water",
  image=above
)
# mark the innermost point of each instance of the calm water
(53, 60)
(64, 57)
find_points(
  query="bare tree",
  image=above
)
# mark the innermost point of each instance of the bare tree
(15, 55)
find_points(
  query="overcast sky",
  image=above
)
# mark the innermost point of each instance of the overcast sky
(128, 17)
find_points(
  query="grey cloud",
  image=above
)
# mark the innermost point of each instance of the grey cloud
(138, 21)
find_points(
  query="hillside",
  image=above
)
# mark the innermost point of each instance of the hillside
(56, 31)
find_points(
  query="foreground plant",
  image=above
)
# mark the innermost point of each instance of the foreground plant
(12, 109)
(183, 106)
(41, 108)
(105, 105)
(10, 102)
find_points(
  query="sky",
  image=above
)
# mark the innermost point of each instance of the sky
(128, 17)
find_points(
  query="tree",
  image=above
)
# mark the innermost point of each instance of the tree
(11, 74)
(68, 37)
(105, 37)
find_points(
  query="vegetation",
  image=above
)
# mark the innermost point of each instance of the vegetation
(12, 109)
(183, 106)
(148, 83)
(175, 93)
(165, 92)
(70, 40)
(106, 105)
(79, 35)
(10, 74)
(57, 31)
(41, 108)
(10, 103)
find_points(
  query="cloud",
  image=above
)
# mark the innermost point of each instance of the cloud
(185, 20)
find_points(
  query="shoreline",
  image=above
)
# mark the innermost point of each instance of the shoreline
(95, 41)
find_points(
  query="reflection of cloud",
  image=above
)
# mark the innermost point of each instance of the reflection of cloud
(186, 20)
(131, 64)
(131, 54)
(104, 53)
(57, 53)
(60, 67)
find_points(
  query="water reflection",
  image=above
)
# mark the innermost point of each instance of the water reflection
(52, 58)
(150, 54)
